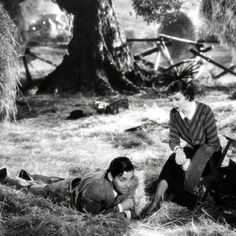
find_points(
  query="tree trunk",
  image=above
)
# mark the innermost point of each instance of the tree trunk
(98, 58)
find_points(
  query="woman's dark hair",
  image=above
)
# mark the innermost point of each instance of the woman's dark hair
(119, 165)
(186, 88)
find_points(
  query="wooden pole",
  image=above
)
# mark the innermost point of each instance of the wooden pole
(27, 72)
(224, 72)
(212, 62)
(146, 53)
(162, 38)
(40, 58)
(179, 39)
(165, 52)
(143, 39)
(157, 62)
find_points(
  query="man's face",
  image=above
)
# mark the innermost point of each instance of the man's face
(122, 183)
(178, 101)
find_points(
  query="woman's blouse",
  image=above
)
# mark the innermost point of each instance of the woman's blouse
(201, 129)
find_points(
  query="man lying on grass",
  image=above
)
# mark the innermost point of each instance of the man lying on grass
(97, 192)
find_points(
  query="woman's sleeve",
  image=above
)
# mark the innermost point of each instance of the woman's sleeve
(212, 139)
(174, 139)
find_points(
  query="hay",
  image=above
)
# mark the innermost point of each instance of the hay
(181, 221)
(141, 199)
(170, 214)
(50, 224)
(221, 19)
(25, 214)
(9, 67)
(129, 140)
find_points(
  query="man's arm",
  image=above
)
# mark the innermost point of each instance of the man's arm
(92, 200)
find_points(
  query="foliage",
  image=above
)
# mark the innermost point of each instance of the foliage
(153, 10)
(221, 19)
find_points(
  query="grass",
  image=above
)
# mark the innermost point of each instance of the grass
(43, 141)
(25, 214)
(47, 143)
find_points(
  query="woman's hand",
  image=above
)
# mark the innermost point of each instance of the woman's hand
(180, 156)
(186, 164)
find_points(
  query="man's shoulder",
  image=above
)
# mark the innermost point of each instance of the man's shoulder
(95, 183)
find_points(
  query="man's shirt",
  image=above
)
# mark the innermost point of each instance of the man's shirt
(95, 194)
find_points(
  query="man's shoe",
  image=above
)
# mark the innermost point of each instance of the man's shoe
(3, 174)
(25, 175)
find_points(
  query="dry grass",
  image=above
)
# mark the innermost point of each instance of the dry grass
(44, 142)
(25, 214)
(8, 66)
(47, 143)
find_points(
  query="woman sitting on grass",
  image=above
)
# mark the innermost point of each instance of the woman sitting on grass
(193, 122)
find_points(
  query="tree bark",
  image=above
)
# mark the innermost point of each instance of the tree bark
(98, 58)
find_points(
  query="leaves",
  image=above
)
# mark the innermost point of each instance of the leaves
(221, 19)
(153, 10)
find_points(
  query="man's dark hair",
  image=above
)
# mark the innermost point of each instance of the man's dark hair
(186, 88)
(119, 165)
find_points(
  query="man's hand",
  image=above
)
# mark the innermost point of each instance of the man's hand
(127, 204)
(180, 156)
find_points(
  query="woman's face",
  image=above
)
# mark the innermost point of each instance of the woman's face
(178, 101)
